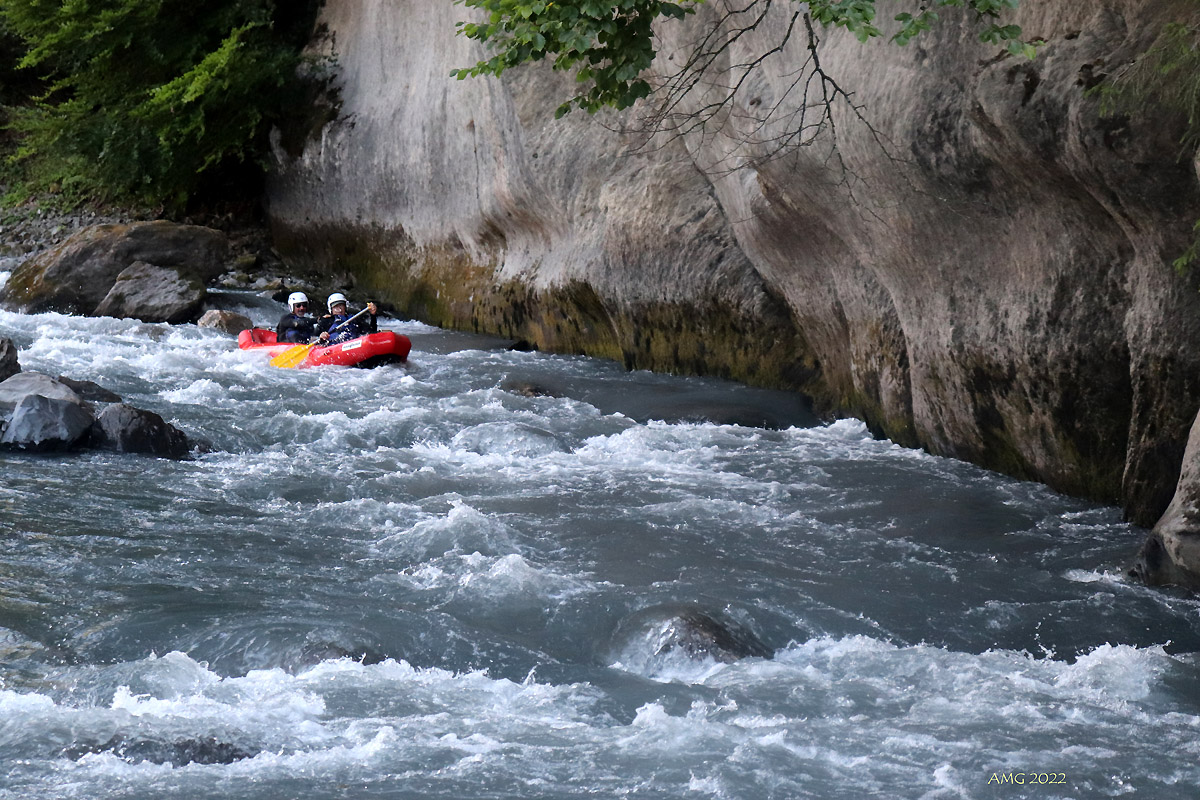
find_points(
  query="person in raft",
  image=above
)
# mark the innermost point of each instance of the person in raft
(296, 326)
(339, 313)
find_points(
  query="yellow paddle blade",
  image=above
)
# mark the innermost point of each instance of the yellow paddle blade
(292, 356)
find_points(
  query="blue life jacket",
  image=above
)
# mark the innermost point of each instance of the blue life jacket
(346, 332)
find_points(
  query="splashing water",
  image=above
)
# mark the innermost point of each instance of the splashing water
(410, 582)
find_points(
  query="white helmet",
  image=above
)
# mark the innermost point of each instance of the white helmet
(336, 297)
(296, 298)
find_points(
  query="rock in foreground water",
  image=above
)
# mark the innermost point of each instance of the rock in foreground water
(126, 429)
(643, 639)
(43, 423)
(39, 413)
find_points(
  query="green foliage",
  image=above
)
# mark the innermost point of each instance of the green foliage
(150, 101)
(610, 43)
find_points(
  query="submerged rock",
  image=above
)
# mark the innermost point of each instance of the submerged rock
(77, 275)
(153, 294)
(689, 631)
(177, 752)
(313, 653)
(528, 388)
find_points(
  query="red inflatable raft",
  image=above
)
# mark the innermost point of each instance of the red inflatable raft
(385, 347)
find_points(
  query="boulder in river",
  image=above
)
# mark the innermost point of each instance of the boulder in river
(41, 413)
(126, 429)
(44, 423)
(15, 387)
(154, 294)
(651, 634)
(9, 365)
(78, 274)
(90, 391)
(225, 321)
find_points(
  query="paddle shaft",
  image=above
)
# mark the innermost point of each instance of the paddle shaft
(345, 321)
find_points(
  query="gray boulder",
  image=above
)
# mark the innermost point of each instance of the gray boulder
(153, 294)
(38, 412)
(125, 429)
(90, 391)
(8, 359)
(41, 413)
(225, 321)
(77, 275)
(15, 387)
(46, 423)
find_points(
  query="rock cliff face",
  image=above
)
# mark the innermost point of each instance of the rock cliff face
(994, 285)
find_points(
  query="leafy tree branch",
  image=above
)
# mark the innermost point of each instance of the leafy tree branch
(151, 101)
(610, 43)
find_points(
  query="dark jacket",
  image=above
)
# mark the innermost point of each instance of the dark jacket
(351, 330)
(293, 328)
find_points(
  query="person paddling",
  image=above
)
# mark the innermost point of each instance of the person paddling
(296, 326)
(341, 326)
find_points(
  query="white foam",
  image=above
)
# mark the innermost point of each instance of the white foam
(1106, 577)
(199, 392)
(460, 531)
(508, 440)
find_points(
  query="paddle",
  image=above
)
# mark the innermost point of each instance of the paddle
(294, 355)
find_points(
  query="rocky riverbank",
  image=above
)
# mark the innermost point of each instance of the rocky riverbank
(117, 263)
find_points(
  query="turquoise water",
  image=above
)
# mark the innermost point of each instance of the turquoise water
(410, 582)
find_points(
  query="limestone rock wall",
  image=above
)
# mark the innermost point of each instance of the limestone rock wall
(994, 284)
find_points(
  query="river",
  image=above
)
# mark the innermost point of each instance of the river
(426, 581)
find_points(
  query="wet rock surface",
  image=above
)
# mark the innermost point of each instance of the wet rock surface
(40, 423)
(39, 413)
(1171, 554)
(177, 752)
(224, 321)
(77, 275)
(154, 294)
(125, 429)
(687, 631)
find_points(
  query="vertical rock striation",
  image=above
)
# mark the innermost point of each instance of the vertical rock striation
(988, 278)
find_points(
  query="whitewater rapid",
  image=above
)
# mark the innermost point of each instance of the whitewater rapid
(410, 582)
